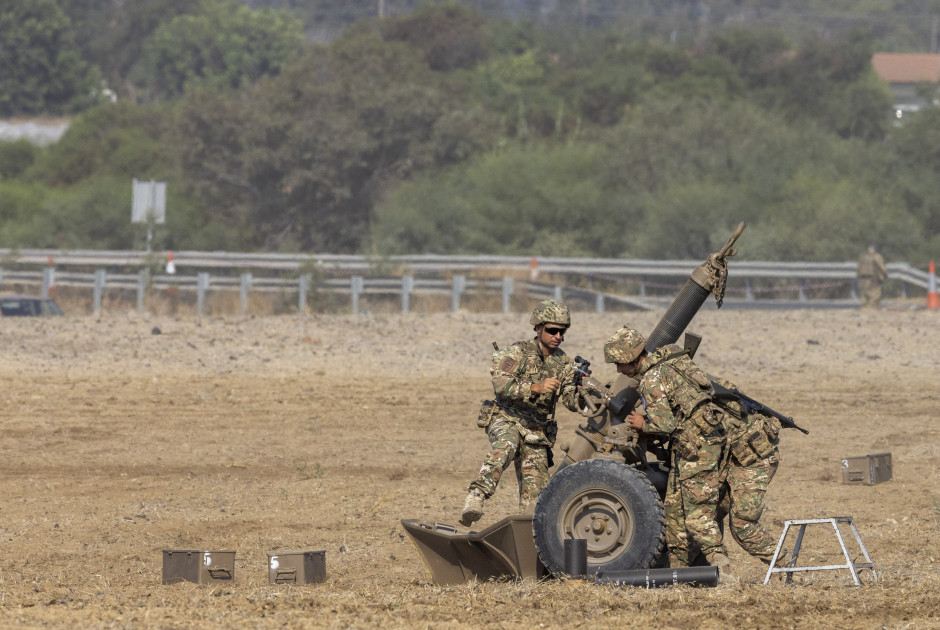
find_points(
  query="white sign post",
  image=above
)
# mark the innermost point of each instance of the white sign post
(149, 205)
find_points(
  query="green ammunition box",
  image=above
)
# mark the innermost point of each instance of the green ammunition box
(199, 566)
(297, 567)
(866, 470)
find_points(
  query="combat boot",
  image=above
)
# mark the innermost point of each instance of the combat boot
(472, 508)
(725, 575)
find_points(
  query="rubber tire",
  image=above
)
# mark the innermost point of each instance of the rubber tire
(612, 491)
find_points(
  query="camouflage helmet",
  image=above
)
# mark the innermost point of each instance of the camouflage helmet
(624, 346)
(551, 312)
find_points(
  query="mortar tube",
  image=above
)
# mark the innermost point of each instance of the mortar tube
(678, 315)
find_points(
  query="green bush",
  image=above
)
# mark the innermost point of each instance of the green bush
(16, 157)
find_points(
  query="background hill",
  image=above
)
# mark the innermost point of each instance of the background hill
(532, 128)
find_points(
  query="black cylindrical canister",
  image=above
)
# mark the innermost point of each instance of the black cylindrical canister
(576, 558)
(658, 578)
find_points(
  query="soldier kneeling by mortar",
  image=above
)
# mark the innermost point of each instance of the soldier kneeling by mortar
(529, 377)
(676, 402)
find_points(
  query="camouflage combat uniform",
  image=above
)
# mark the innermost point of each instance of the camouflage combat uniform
(523, 428)
(871, 275)
(753, 458)
(677, 397)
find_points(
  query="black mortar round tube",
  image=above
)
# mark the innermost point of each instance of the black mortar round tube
(660, 578)
(576, 558)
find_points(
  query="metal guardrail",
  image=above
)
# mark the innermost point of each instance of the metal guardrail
(436, 264)
(355, 286)
(202, 284)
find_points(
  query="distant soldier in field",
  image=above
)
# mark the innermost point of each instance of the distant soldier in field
(871, 275)
(529, 378)
(677, 403)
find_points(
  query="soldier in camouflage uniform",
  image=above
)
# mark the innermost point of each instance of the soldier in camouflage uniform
(676, 403)
(529, 377)
(871, 273)
(753, 459)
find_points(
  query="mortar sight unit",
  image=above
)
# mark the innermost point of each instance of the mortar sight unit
(609, 488)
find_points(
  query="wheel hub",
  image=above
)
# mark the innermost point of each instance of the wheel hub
(600, 518)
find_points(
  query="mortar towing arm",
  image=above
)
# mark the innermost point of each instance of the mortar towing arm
(605, 490)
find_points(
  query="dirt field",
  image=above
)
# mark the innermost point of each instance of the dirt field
(286, 433)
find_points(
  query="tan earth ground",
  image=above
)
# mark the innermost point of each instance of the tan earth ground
(286, 433)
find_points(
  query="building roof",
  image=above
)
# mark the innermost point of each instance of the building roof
(907, 68)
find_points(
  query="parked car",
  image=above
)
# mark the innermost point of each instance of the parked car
(13, 305)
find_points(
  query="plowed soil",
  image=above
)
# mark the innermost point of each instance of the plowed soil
(126, 435)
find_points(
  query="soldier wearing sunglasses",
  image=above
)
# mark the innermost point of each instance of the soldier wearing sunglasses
(529, 378)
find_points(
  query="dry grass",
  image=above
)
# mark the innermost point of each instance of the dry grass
(281, 433)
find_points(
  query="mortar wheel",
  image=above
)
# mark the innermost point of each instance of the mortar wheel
(611, 505)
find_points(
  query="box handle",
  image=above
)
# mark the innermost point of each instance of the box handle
(220, 573)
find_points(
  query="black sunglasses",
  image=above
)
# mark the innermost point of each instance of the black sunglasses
(555, 331)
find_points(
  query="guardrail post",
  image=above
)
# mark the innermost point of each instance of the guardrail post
(355, 288)
(101, 278)
(202, 287)
(748, 290)
(600, 302)
(244, 286)
(141, 288)
(558, 292)
(303, 285)
(460, 283)
(1, 275)
(407, 288)
(642, 287)
(508, 290)
(855, 289)
(48, 282)
(802, 290)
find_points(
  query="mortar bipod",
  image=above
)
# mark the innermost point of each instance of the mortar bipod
(790, 569)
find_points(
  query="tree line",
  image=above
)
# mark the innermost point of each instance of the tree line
(444, 130)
